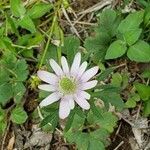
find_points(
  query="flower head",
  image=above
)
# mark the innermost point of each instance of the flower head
(68, 84)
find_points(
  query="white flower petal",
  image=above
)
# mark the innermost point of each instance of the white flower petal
(64, 64)
(64, 109)
(89, 85)
(47, 87)
(57, 69)
(84, 94)
(50, 99)
(76, 64)
(82, 102)
(71, 103)
(47, 77)
(89, 74)
(82, 69)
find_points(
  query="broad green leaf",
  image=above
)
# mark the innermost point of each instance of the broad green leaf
(38, 10)
(5, 93)
(95, 144)
(146, 109)
(18, 115)
(17, 8)
(71, 46)
(131, 22)
(139, 52)
(115, 50)
(147, 16)
(132, 36)
(2, 114)
(143, 90)
(27, 23)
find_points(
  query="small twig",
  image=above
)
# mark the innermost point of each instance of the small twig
(119, 145)
(68, 19)
(96, 7)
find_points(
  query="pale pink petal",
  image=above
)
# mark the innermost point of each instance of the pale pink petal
(64, 109)
(50, 99)
(82, 69)
(84, 94)
(47, 87)
(82, 102)
(89, 85)
(71, 103)
(76, 64)
(47, 77)
(89, 74)
(57, 69)
(64, 64)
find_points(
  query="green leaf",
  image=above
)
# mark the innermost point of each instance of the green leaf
(38, 10)
(18, 91)
(112, 98)
(132, 36)
(5, 93)
(2, 114)
(3, 126)
(116, 79)
(146, 74)
(95, 144)
(71, 45)
(18, 115)
(143, 90)
(130, 103)
(139, 52)
(131, 22)
(105, 74)
(17, 8)
(146, 109)
(21, 70)
(27, 23)
(108, 22)
(115, 50)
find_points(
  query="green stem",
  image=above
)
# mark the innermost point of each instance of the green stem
(48, 41)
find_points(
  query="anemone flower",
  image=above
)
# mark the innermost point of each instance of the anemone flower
(68, 85)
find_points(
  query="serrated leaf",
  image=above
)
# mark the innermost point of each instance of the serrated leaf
(18, 115)
(108, 22)
(139, 52)
(112, 98)
(17, 8)
(5, 93)
(38, 10)
(95, 144)
(116, 49)
(71, 45)
(27, 23)
(18, 91)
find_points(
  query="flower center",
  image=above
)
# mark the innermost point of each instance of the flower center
(67, 85)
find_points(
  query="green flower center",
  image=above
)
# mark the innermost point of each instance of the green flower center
(67, 85)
